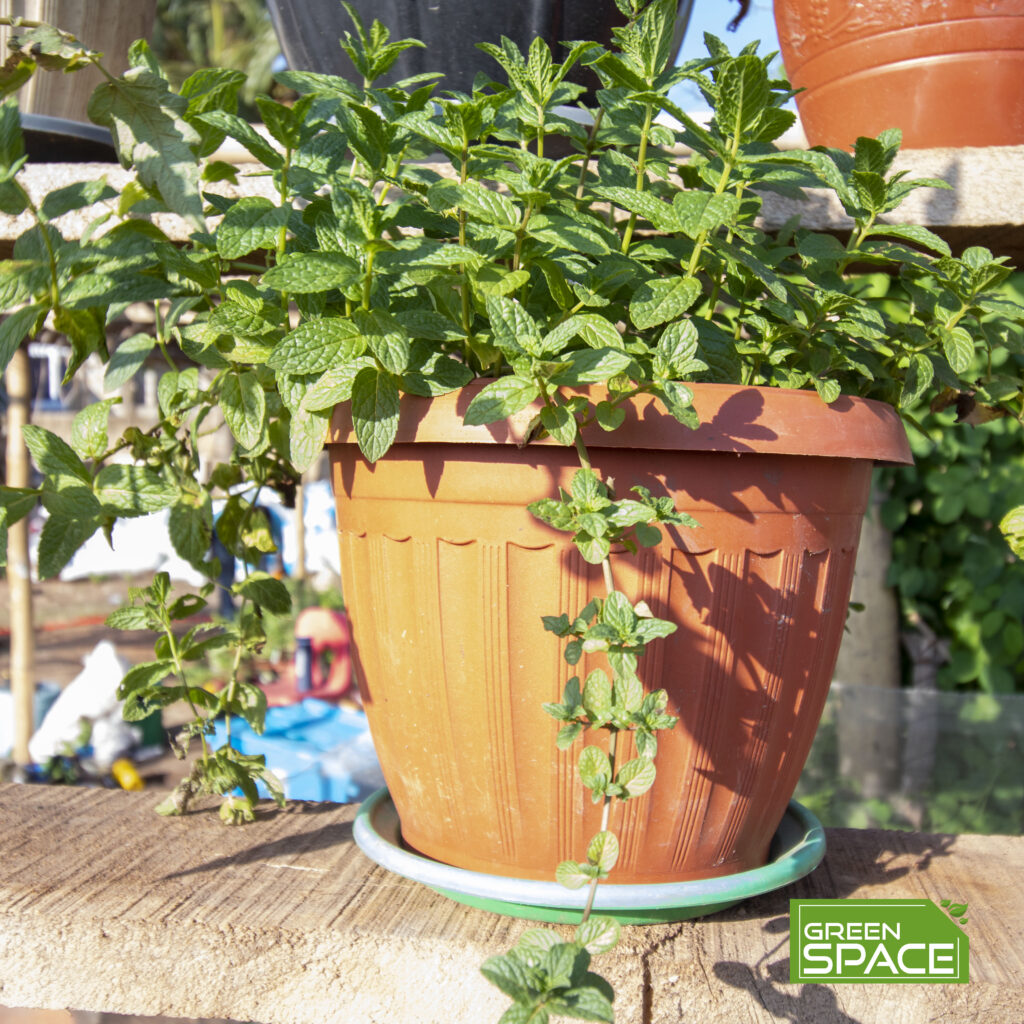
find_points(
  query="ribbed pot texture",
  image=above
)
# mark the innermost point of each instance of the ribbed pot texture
(446, 576)
(946, 72)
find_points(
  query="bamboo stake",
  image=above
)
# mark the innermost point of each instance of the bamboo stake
(300, 545)
(19, 385)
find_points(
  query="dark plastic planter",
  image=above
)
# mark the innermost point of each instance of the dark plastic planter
(309, 31)
(56, 140)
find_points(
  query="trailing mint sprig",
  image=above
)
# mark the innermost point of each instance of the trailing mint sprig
(152, 685)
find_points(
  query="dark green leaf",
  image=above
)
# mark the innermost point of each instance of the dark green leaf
(317, 345)
(244, 404)
(52, 456)
(308, 272)
(500, 399)
(13, 329)
(662, 299)
(126, 490)
(128, 358)
(265, 591)
(190, 524)
(151, 135)
(61, 537)
(252, 223)
(375, 407)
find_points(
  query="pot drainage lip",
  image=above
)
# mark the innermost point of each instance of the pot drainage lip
(797, 848)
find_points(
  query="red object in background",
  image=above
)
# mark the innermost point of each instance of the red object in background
(331, 667)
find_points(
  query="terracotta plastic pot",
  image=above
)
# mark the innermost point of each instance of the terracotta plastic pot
(946, 72)
(447, 576)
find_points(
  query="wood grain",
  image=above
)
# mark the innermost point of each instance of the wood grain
(105, 906)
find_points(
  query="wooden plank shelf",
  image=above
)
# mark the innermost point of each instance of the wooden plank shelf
(105, 906)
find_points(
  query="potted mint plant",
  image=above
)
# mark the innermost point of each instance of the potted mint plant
(576, 408)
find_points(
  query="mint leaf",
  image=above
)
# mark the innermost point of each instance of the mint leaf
(743, 94)
(241, 131)
(151, 135)
(244, 404)
(265, 591)
(598, 934)
(89, 429)
(663, 299)
(593, 365)
(335, 385)
(53, 456)
(75, 197)
(387, 338)
(317, 345)
(479, 202)
(650, 207)
(702, 211)
(307, 432)
(958, 348)
(514, 329)
(571, 875)
(636, 777)
(252, 223)
(13, 329)
(595, 768)
(375, 407)
(133, 490)
(603, 850)
(146, 674)
(306, 273)
(500, 399)
(562, 232)
(127, 360)
(191, 524)
(60, 538)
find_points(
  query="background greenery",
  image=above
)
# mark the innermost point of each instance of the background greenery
(951, 567)
(234, 34)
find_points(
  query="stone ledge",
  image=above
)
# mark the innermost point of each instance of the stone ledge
(985, 206)
(104, 906)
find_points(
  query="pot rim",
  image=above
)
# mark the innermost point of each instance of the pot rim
(733, 418)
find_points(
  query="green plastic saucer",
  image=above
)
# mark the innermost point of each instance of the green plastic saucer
(797, 849)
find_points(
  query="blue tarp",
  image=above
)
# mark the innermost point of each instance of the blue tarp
(318, 750)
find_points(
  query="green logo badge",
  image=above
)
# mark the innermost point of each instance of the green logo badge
(909, 941)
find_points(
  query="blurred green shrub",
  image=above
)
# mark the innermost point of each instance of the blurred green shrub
(235, 34)
(951, 566)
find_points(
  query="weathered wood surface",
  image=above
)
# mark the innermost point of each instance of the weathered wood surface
(105, 906)
(984, 207)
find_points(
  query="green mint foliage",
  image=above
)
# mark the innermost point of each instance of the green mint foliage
(547, 977)
(571, 283)
(598, 522)
(153, 685)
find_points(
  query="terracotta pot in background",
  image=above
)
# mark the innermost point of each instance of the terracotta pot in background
(447, 575)
(946, 72)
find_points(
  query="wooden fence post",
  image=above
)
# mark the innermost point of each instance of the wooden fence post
(19, 577)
